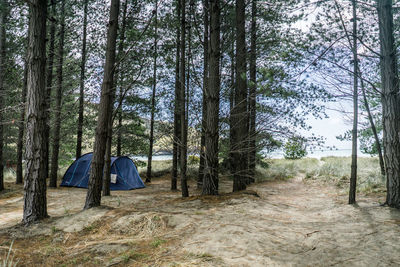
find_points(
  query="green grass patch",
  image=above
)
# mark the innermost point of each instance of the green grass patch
(157, 242)
(336, 170)
(132, 255)
(283, 169)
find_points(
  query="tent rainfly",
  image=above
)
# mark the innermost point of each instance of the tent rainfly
(124, 175)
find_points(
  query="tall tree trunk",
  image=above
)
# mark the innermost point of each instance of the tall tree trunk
(353, 176)
(3, 20)
(107, 157)
(177, 121)
(390, 102)
(21, 125)
(231, 106)
(204, 103)
(82, 83)
(373, 127)
(240, 126)
(49, 85)
(253, 91)
(210, 180)
(188, 60)
(119, 128)
(118, 74)
(189, 26)
(120, 78)
(35, 204)
(183, 145)
(57, 119)
(153, 98)
(93, 197)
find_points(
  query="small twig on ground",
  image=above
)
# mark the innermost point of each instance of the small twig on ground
(309, 234)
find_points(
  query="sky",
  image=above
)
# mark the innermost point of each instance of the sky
(337, 123)
(331, 127)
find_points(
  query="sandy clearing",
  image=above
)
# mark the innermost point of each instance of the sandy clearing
(301, 225)
(291, 223)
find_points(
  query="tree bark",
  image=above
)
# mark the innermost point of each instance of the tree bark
(353, 176)
(177, 121)
(373, 127)
(120, 78)
(49, 85)
(93, 197)
(210, 180)
(231, 106)
(204, 102)
(390, 102)
(57, 119)
(3, 21)
(107, 157)
(35, 204)
(183, 145)
(188, 60)
(119, 131)
(240, 117)
(21, 125)
(253, 92)
(82, 83)
(153, 99)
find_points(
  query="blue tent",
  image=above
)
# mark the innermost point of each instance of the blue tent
(124, 175)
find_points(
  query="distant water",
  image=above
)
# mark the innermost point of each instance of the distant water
(275, 155)
(322, 153)
(155, 157)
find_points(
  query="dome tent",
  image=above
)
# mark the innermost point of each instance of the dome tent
(124, 175)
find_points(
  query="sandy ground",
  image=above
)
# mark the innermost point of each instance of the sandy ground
(284, 223)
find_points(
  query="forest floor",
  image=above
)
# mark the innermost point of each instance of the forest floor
(294, 222)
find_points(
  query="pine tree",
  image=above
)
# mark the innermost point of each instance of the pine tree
(204, 102)
(353, 177)
(390, 102)
(182, 104)
(253, 91)
(153, 97)
(3, 54)
(49, 83)
(107, 158)
(82, 82)
(210, 179)
(177, 120)
(93, 197)
(35, 203)
(239, 113)
(57, 118)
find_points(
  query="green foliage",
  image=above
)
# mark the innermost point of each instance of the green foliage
(192, 160)
(54, 229)
(140, 163)
(157, 242)
(366, 137)
(295, 148)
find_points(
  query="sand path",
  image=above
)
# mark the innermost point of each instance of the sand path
(291, 223)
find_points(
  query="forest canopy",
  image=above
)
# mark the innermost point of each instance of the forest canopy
(223, 83)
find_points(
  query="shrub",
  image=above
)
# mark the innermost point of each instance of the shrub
(192, 159)
(295, 148)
